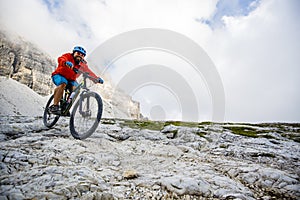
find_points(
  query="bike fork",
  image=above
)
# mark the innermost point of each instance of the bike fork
(87, 111)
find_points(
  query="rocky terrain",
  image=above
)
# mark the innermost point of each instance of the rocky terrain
(127, 159)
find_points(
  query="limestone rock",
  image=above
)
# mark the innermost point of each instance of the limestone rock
(130, 174)
(24, 62)
(39, 163)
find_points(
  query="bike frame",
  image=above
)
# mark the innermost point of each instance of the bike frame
(82, 85)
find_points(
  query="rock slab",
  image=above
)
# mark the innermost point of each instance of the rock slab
(119, 161)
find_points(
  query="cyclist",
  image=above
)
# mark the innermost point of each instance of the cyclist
(65, 75)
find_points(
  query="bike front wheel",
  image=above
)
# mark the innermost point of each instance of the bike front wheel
(49, 119)
(86, 115)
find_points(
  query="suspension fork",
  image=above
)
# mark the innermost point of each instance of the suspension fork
(87, 111)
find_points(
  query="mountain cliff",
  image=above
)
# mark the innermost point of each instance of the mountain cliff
(23, 62)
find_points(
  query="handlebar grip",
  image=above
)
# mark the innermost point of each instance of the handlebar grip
(76, 70)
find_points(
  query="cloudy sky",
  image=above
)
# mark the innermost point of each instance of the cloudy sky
(253, 45)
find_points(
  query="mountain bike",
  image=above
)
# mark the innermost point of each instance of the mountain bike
(86, 113)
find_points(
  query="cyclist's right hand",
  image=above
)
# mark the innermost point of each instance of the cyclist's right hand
(100, 80)
(69, 64)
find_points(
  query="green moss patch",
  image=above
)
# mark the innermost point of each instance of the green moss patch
(142, 124)
(244, 131)
(159, 125)
(262, 130)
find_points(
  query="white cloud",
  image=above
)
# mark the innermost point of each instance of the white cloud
(257, 58)
(230, 8)
(256, 54)
(58, 27)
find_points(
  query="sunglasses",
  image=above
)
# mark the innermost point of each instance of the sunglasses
(81, 54)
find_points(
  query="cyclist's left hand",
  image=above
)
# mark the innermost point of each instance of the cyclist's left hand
(69, 64)
(100, 80)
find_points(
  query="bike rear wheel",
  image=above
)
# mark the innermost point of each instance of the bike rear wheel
(86, 115)
(49, 119)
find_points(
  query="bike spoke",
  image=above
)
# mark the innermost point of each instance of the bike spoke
(86, 116)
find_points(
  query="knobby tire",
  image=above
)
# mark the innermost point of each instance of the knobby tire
(49, 119)
(81, 126)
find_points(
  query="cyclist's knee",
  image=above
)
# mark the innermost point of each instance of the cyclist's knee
(62, 86)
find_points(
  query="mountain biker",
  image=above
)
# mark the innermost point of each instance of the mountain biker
(65, 74)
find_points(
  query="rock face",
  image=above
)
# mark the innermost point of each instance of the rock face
(22, 61)
(127, 159)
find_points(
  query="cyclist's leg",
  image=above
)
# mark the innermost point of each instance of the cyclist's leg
(61, 83)
(71, 85)
(74, 84)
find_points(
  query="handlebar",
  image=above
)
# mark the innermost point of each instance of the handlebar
(84, 74)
